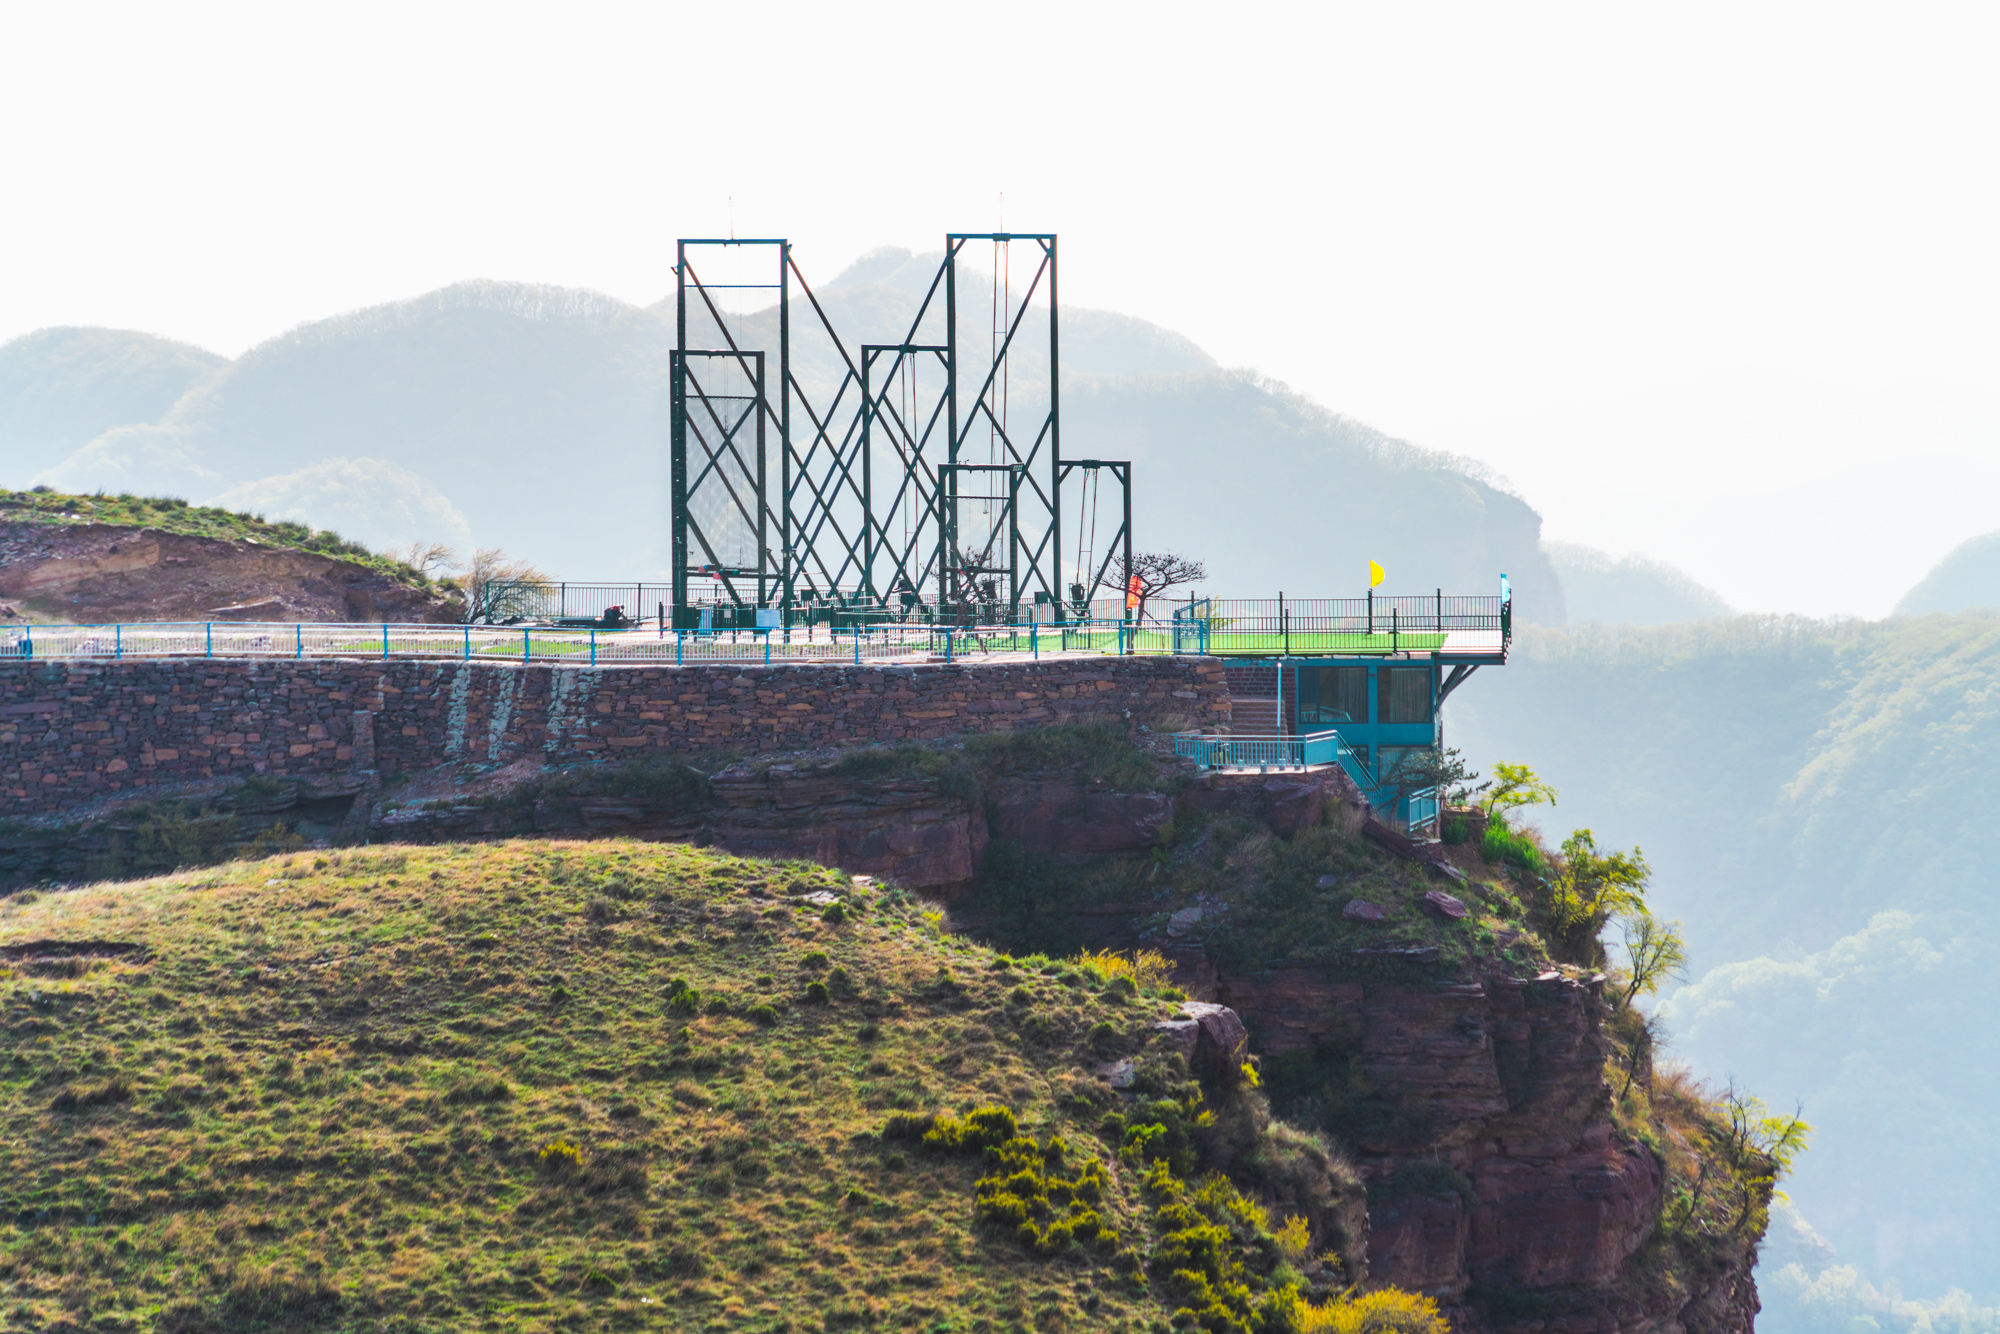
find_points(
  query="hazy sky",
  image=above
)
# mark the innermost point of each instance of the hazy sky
(1716, 283)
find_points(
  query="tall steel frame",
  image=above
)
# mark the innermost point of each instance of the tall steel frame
(877, 487)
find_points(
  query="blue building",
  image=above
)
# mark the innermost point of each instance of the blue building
(1358, 682)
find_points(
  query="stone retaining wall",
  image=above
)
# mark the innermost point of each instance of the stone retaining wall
(76, 733)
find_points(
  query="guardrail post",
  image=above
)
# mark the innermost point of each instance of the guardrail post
(947, 645)
(385, 641)
(1395, 629)
(118, 641)
(298, 639)
(1034, 643)
(593, 646)
(767, 648)
(208, 639)
(857, 646)
(468, 641)
(524, 643)
(27, 641)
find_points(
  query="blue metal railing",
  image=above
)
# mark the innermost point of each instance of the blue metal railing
(1423, 809)
(1273, 752)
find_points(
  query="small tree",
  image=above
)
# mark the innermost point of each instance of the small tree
(1655, 952)
(1445, 770)
(1589, 889)
(1759, 1149)
(498, 588)
(1156, 571)
(1515, 786)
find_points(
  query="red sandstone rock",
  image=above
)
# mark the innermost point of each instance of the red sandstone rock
(903, 830)
(1572, 1219)
(1440, 904)
(1292, 804)
(1211, 1037)
(1058, 818)
(1421, 1240)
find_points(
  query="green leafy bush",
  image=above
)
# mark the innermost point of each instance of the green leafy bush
(1501, 846)
(1047, 1213)
(982, 1127)
(560, 1158)
(682, 998)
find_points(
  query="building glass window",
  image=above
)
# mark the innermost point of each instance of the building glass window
(1406, 695)
(1333, 695)
(1399, 762)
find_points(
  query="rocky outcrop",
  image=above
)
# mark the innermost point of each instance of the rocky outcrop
(1058, 816)
(1212, 1039)
(903, 829)
(1500, 1172)
(101, 574)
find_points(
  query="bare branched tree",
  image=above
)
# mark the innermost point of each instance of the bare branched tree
(1156, 572)
(498, 588)
(426, 558)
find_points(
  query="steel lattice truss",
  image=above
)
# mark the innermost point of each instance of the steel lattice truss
(900, 477)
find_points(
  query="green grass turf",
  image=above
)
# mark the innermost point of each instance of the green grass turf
(320, 1098)
(1224, 642)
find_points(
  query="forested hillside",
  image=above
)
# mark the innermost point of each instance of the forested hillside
(1815, 798)
(1969, 576)
(61, 388)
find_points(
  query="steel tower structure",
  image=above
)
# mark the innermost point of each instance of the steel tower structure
(923, 471)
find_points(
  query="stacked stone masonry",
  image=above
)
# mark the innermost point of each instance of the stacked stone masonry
(77, 733)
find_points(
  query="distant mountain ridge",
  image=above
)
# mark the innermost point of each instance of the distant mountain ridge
(1635, 590)
(535, 417)
(62, 388)
(1968, 577)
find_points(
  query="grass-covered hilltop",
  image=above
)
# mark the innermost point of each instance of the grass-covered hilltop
(542, 1085)
(167, 514)
(107, 559)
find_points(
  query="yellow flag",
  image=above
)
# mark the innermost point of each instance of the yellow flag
(1375, 575)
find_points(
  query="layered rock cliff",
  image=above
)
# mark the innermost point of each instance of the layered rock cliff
(1397, 998)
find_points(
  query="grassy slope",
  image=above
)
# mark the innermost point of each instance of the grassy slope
(321, 1101)
(1284, 897)
(177, 516)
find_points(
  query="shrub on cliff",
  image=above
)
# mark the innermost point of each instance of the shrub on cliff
(1588, 889)
(155, 837)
